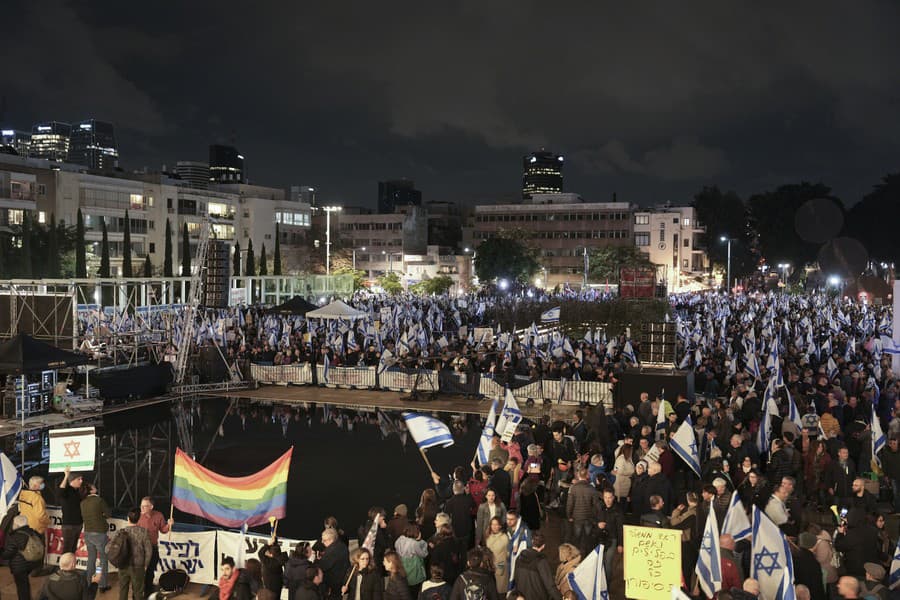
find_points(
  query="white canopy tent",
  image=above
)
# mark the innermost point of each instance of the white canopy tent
(336, 310)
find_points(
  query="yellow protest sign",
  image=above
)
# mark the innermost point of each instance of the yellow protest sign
(652, 562)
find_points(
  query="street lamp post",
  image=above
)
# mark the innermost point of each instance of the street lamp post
(584, 282)
(728, 268)
(784, 267)
(354, 256)
(328, 210)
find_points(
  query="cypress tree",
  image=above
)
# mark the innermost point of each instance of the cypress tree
(263, 267)
(126, 249)
(148, 267)
(236, 260)
(104, 250)
(80, 249)
(250, 267)
(276, 260)
(52, 249)
(185, 252)
(26, 246)
(167, 259)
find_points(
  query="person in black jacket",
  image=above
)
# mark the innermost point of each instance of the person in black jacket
(397, 587)
(474, 579)
(534, 579)
(364, 577)
(12, 552)
(309, 589)
(659, 485)
(807, 570)
(272, 560)
(609, 525)
(71, 493)
(840, 476)
(443, 550)
(334, 563)
(461, 507)
(858, 540)
(500, 481)
(295, 574)
(382, 540)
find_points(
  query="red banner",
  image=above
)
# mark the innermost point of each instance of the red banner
(636, 282)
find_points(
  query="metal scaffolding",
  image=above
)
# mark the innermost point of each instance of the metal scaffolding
(135, 463)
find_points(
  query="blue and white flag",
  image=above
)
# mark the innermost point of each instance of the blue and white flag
(709, 561)
(487, 436)
(10, 484)
(793, 413)
(588, 580)
(628, 352)
(684, 444)
(878, 438)
(510, 417)
(763, 436)
(427, 431)
(771, 563)
(894, 577)
(551, 316)
(736, 523)
(385, 361)
(832, 368)
(752, 366)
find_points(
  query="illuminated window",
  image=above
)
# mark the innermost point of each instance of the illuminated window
(42, 217)
(686, 222)
(641, 219)
(137, 201)
(193, 228)
(15, 216)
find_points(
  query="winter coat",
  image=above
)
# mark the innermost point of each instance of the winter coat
(498, 544)
(371, 586)
(459, 507)
(534, 578)
(397, 589)
(582, 502)
(141, 546)
(12, 551)
(272, 568)
(32, 505)
(562, 574)
(483, 518)
(335, 563)
(446, 553)
(859, 546)
(640, 497)
(308, 591)
(469, 577)
(624, 469)
(433, 590)
(614, 520)
(295, 572)
(64, 585)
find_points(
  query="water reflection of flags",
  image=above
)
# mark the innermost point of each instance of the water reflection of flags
(385, 424)
(709, 560)
(736, 523)
(427, 431)
(588, 580)
(771, 562)
(487, 435)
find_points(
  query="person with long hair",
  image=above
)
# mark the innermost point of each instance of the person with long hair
(444, 549)
(490, 508)
(569, 558)
(514, 468)
(816, 465)
(497, 542)
(397, 587)
(413, 551)
(363, 582)
(623, 469)
(295, 574)
(426, 512)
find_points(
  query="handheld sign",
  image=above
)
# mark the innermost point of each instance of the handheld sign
(652, 562)
(73, 448)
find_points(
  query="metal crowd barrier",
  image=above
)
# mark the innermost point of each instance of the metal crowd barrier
(427, 380)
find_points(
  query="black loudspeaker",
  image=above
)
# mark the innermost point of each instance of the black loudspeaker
(634, 382)
(216, 277)
(212, 368)
(658, 343)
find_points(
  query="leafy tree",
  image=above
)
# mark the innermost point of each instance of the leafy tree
(236, 260)
(359, 277)
(724, 214)
(773, 216)
(167, 255)
(52, 249)
(250, 265)
(604, 263)
(276, 259)
(505, 258)
(148, 267)
(435, 285)
(263, 267)
(873, 220)
(390, 283)
(127, 271)
(185, 252)
(80, 249)
(104, 250)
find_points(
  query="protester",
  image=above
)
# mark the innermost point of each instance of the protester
(413, 551)
(363, 582)
(491, 508)
(295, 570)
(32, 505)
(271, 561)
(72, 492)
(334, 562)
(474, 582)
(309, 587)
(435, 588)
(569, 558)
(498, 543)
(21, 564)
(396, 587)
(66, 583)
(140, 550)
(95, 512)
(155, 523)
(533, 576)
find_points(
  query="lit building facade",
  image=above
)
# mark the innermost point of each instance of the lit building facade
(194, 174)
(542, 174)
(670, 236)
(50, 140)
(382, 242)
(226, 164)
(92, 143)
(16, 141)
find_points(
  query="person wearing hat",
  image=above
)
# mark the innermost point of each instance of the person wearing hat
(872, 585)
(71, 493)
(807, 569)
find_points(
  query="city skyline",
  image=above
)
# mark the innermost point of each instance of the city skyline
(650, 103)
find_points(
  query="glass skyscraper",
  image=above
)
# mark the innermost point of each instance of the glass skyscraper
(542, 174)
(50, 140)
(225, 164)
(92, 143)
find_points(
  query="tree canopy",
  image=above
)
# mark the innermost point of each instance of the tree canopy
(505, 258)
(604, 263)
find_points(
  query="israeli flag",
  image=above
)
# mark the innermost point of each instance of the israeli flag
(427, 431)
(894, 577)
(383, 361)
(628, 352)
(889, 346)
(10, 484)
(736, 523)
(510, 417)
(832, 368)
(661, 415)
(752, 366)
(487, 435)
(793, 413)
(588, 580)
(878, 438)
(709, 562)
(551, 316)
(684, 444)
(764, 434)
(771, 562)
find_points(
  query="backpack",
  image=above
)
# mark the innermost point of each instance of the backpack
(118, 551)
(34, 549)
(474, 589)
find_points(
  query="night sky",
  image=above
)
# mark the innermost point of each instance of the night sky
(650, 101)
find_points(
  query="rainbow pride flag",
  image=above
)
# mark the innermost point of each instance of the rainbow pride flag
(231, 501)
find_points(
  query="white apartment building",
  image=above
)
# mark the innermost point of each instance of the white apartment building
(670, 235)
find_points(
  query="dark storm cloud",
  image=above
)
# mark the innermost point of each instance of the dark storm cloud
(652, 99)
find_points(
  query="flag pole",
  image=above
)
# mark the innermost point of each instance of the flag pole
(425, 458)
(171, 515)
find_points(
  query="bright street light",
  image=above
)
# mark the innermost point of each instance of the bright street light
(503, 284)
(834, 280)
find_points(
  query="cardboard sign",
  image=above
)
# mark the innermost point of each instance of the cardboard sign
(73, 448)
(652, 562)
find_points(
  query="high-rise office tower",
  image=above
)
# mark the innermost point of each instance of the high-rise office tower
(542, 174)
(50, 140)
(400, 192)
(303, 193)
(225, 164)
(15, 142)
(92, 143)
(196, 174)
